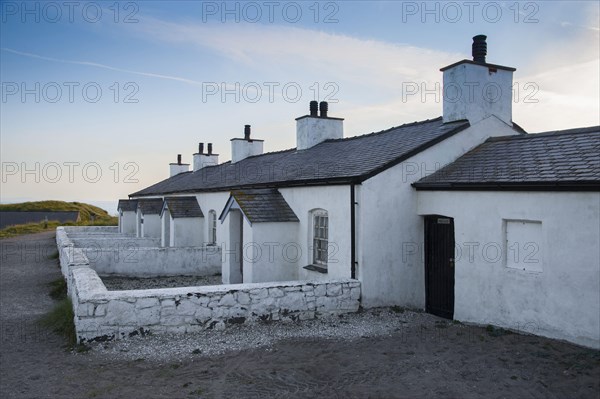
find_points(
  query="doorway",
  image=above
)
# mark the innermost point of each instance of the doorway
(439, 265)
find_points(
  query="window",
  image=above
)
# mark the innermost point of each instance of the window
(212, 227)
(320, 237)
(523, 245)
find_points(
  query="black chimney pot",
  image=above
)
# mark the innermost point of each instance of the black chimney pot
(323, 107)
(479, 48)
(314, 107)
(200, 148)
(247, 132)
(178, 159)
(209, 149)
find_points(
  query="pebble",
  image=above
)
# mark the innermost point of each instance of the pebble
(169, 347)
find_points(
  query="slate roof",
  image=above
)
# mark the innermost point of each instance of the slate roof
(352, 159)
(127, 205)
(259, 206)
(150, 206)
(558, 160)
(9, 218)
(183, 207)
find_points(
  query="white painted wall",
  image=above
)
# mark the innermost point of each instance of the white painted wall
(203, 160)
(312, 130)
(112, 241)
(242, 149)
(127, 222)
(562, 301)
(148, 262)
(138, 223)
(188, 232)
(474, 92)
(232, 254)
(165, 226)
(151, 226)
(274, 252)
(175, 168)
(389, 224)
(336, 201)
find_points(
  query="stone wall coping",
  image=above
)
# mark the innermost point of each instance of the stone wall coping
(90, 288)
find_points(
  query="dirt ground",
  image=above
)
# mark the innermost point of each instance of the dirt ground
(421, 361)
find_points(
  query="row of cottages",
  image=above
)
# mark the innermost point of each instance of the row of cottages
(465, 215)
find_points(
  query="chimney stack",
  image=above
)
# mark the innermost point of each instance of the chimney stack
(177, 168)
(479, 48)
(312, 129)
(314, 107)
(323, 107)
(246, 147)
(202, 160)
(475, 90)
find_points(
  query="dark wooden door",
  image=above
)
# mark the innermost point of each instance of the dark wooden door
(439, 266)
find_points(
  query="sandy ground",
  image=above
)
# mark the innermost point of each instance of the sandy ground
(427, 358)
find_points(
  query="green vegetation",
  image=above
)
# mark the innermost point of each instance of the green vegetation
(494, 331)
(89, 215)
(60, 320)
(58, 289)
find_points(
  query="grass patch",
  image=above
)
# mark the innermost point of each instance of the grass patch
(58, 289)
(496, 331)
(89, 216)
(397, 309)
(60, 320)
(53, 255)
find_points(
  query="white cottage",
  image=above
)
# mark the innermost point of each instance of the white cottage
(182, 222)
(127, 216)
(148, 217)
(362, 207)
(518, 220)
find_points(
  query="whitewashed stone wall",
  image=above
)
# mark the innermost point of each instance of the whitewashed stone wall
(118, 254)
(106, 315)
(149, 262)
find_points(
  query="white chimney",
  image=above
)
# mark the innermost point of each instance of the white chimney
(201, 159)
(313, 129)
(177, 168)
(246, 147)
(474, 90)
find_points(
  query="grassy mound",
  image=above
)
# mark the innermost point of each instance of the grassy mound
(89, 215)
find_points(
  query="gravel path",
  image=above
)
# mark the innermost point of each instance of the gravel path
(113, 283)
(380, 353)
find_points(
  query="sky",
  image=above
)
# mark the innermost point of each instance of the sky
(99, 97)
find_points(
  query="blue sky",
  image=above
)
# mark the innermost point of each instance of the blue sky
(120, 88)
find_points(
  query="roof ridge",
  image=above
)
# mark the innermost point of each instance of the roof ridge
(574, 131)
(390, 129)
(347, 138)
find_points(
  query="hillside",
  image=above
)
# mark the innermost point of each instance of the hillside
(86, 211)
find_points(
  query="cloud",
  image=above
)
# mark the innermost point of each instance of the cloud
(273, 48)
(102, 66)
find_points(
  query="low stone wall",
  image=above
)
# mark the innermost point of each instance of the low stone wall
(114, 241)
(91, 229)
(149, 262)
(118, 254)
(105, 315)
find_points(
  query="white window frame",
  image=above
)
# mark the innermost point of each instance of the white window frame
(319, 237)
(212, 227)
